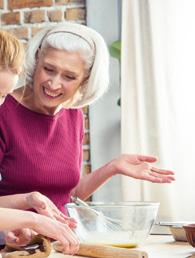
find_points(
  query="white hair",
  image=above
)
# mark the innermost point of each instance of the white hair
(92, 49)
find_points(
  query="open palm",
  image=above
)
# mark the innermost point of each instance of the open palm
(139, 167)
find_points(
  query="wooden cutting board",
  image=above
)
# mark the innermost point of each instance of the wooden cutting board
(103, 251)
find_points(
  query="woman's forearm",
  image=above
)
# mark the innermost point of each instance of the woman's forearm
(89, 183)
(131, 165)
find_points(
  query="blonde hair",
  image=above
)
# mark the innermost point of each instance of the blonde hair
(92, 48)
(11, 52)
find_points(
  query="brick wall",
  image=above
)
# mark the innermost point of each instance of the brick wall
(24, 18)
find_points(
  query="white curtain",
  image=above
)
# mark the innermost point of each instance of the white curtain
(158, 99)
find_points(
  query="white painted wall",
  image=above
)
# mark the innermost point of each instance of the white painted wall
(104, 16)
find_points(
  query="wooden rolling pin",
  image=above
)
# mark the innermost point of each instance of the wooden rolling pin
(104, 251)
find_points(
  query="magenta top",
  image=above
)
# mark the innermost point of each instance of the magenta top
(40, 152)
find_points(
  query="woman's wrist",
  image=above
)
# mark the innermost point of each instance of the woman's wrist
(110, 169)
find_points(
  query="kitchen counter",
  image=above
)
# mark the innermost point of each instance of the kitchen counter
(164, 246)
(156, 246)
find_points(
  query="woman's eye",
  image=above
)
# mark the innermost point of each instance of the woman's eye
(69, 78)
(48, 69)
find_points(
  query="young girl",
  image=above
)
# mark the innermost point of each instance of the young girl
(11, 61)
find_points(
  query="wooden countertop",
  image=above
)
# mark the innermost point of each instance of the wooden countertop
(156, 246)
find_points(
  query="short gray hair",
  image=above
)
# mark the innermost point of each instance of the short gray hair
(91, 47)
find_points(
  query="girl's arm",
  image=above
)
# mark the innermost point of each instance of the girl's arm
(38, 202)
(13, 219)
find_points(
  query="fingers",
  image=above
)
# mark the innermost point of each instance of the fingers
(66, 217)
(161, 180)
(11, 237)
(164, 175)
(158, 177)
(71, 222)
(43, 205)
(73, 242)
(69, 241)
(162, 171)
(65, 248)
(55, 214)
(146, 158)
(49, 213)
(58, 231)
(19, 237)
(71, 247)
(24, 236)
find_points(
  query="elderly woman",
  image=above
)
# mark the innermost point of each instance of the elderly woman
(41, 124)
(41, 148)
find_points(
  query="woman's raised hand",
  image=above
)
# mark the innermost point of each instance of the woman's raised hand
(140, 167)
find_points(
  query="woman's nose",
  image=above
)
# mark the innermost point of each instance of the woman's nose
(55, 83)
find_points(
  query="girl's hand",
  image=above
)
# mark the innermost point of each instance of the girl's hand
(47, 227)
(58, 231)
(19, 237)
(45, 206)
(139, 167)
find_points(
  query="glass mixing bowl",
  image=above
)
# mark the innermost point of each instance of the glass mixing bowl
(124, 224)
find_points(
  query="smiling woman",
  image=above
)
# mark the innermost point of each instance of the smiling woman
(58, 75)
(78, 65)
(67, 68)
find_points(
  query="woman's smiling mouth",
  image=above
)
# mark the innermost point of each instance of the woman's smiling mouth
(50, 93)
